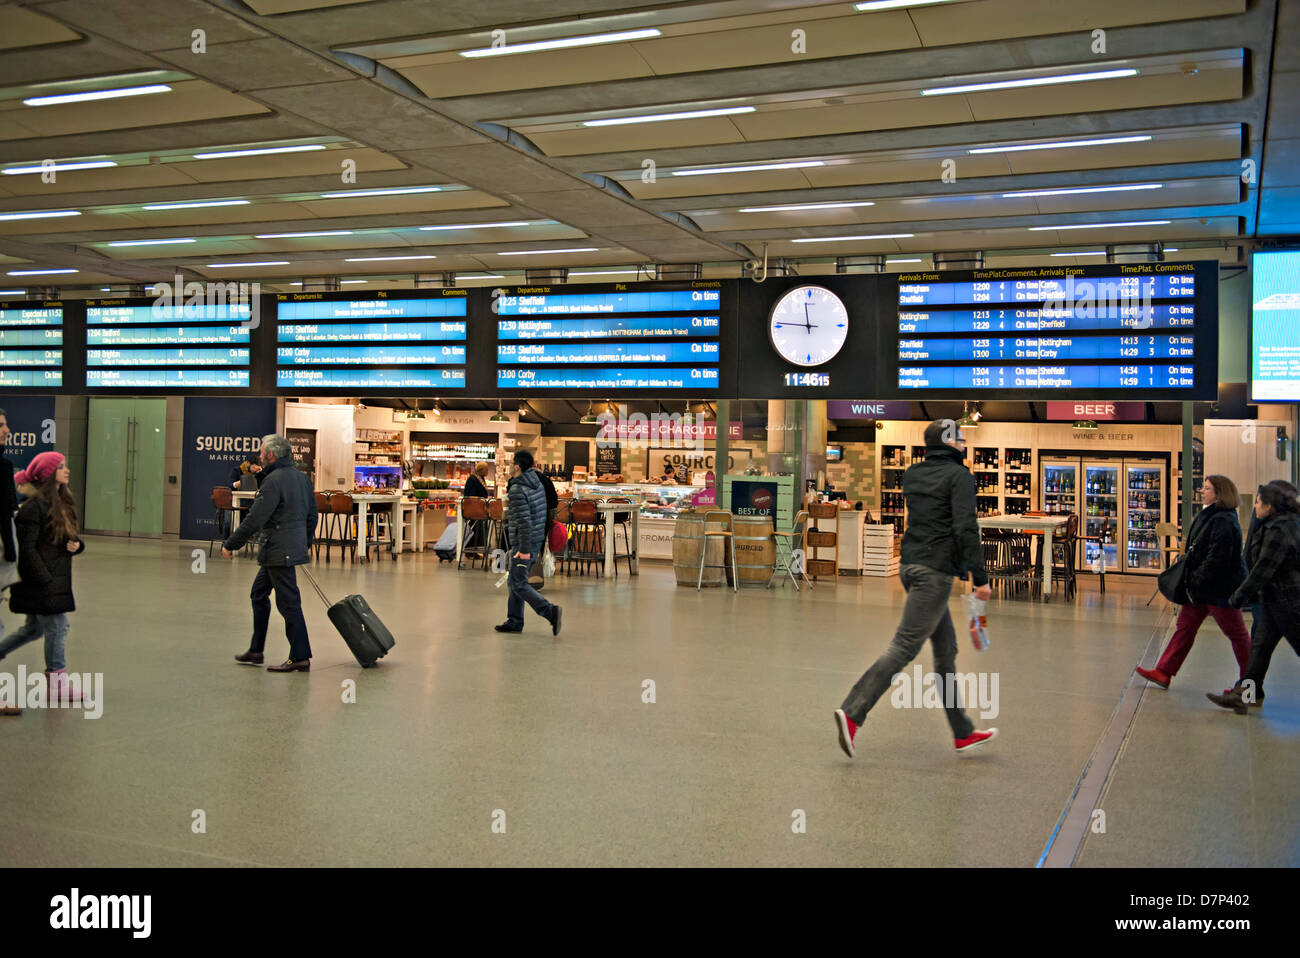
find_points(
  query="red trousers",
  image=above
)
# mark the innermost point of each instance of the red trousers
(1190, 618)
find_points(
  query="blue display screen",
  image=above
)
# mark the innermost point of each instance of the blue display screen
(296, 310)
(194, 345)
(655, 301)
(1070, 289)
(610, 353)
(166, 336)
(1275, 327)
(1049, 347)
(119, 315)
(1047, 377)
(631, 327)
(372, 332)
(1163, 316)
(353, 378)
(168, 378)
(166, 357)
(370, 355)
(39, 328)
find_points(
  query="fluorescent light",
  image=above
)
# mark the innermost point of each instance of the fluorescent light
(149, 242)
(799, 164)
(42, 215)
(1099, 226)
(1085, 189)
(1029, 81)
(270, 262)
(197, 204)
(804, 206)
(389, 192)
(540, 252)
(476, 226)
(1087, 252)
(294, 235)
(660, 117)
(871, 6)
(38, 272)
(97, 95)
(58, 167)
(844, 239)
(609, 272)
(482, 276)
(12, 292)
(345, 282)
(561, 44)
(1064, 144)
(891, 262)
(380, 259)
(1172, 249)
(260, 151)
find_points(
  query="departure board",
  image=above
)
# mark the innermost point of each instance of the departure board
(377, 341)
(31, 345)
(1131, 329)
(157, 345)
(627, 337)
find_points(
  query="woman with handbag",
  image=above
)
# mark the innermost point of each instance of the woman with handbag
(1212, 571)
(1273, 553)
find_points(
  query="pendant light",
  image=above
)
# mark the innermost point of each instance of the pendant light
(499, 415)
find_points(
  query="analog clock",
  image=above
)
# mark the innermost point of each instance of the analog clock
(808, 325)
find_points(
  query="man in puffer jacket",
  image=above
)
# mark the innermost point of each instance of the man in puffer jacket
(526, 527)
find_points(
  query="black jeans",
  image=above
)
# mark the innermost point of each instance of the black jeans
(1272, 622)
(284, 581)
(925, 616)
(521, 592)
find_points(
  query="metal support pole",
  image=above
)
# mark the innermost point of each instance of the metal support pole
(1189, 493)
(721, 439)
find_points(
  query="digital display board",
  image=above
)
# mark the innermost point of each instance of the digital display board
(628, 337)
(1148, 330)
(31, 345)
(391, 341)
(1275, 327)
(158, 345)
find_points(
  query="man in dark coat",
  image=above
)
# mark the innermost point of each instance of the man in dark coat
(942, 541)
(286, 508)
(526, 523)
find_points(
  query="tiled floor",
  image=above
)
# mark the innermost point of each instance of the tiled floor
(462, 723)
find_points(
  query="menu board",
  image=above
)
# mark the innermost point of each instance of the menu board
(379, 341)
(155, 345)
(1142, 329)
(639, 337)
(31, 345)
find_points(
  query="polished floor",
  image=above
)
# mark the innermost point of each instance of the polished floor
(463, 732)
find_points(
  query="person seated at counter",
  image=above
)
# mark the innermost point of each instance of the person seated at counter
(670, 476)
(475, 486)
(250, 467)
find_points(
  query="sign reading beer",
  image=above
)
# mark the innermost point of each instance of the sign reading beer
(1111, 411)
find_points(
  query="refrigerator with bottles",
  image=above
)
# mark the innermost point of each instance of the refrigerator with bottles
(1118, 501)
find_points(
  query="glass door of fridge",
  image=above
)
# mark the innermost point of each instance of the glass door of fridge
(1101, 515)
(1060, 486)
(1144, 493)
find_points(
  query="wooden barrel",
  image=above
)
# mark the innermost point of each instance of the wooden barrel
(688, 540)
(755, 549)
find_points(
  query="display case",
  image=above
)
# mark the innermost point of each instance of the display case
(657, 502)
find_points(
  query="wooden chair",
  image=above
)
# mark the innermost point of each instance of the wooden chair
(343, 509)
(474, 537)
(785, 543)
(496, 529)
(223, 501)
(324, 518)
(727, 534)
(622, 520)
(587, 543)
(563, 515)
(1065, 547)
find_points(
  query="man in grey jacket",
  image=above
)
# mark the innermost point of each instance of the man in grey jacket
(526, 526)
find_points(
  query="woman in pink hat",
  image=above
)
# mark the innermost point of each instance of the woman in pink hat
(47, 541)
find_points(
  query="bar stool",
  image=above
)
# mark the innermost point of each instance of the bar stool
(785, 548)
(496, 535)
(621, 521)
(727, 534)
(474, 514)
(1064, 548)
(224, 503)
(1100, 539)
(344, 511)
(323, 518)
(564, 517)
(587, 543)
(380, 533)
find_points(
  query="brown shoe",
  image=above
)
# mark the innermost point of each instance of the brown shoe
(1230, 699)
(249, 658)
(289, 665)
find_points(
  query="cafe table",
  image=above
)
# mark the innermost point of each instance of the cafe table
(609, 509)
(1049, 526)
(365, 501)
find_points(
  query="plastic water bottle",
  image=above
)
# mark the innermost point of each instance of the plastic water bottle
(978, 622)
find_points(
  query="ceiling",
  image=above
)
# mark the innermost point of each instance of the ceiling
(838, 133)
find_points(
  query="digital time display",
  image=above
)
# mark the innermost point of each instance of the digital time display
(157, 345)
(807, 379)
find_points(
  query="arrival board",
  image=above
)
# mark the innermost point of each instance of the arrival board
(157, 345)
(31, 345)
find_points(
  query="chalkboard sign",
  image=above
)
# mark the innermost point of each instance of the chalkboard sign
(609, 459)
(303, 442)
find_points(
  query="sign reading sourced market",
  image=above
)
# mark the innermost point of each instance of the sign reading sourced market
(1125, 328)
(626, 338)
(31, 345)
(379, 341)
(1275, 327)
(133, 345)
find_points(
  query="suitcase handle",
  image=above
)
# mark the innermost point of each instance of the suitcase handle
(315, 585)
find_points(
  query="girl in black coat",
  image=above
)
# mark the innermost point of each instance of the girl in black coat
(1214, 570)
(1273, 554)
(47, 541)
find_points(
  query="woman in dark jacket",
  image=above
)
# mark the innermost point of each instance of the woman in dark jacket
(1214, 569)
(47, 541)
(1273, 554)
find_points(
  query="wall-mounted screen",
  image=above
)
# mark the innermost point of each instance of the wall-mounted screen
(647, 338)
(136, 345)
(1275, 327)
(1134, 330)
(31, 345)
(377, 341)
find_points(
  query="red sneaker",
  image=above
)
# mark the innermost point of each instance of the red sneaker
(1155, 677)
(847, 729)
(974, 740)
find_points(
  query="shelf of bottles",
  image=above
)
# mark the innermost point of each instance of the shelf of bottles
(554, 471)
(893, 463)
(1101, 500)
(453, 452)
(1198, 478)
(988, 482)
(1017, 480)
(1145, 512)
(378, 447)
(1060, 489)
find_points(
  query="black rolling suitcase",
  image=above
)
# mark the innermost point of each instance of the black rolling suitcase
(367, 637)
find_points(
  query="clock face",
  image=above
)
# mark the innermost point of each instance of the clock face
(808, 325)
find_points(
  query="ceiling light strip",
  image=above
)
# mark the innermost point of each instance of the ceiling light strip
(1098, 226)
(561, 44)
(259, 151)
(1085, 189)
(1030, 82)
(662, 117)
(125, 91)
(1062, 145)
(757, 168)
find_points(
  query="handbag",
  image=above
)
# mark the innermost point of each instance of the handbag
(1172, 583)
(557, 537)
